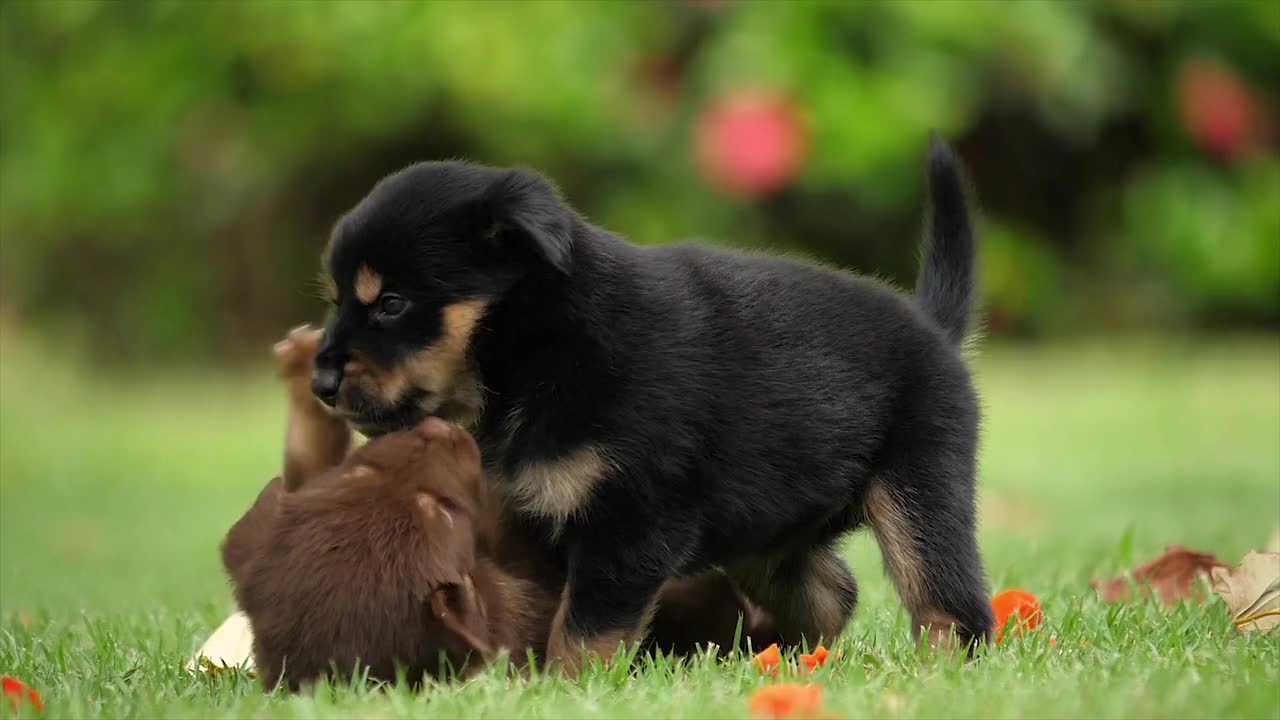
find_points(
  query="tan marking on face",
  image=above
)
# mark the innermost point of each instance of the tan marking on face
(368, 285)
(442, 369)
(441, 364)
(558, 489)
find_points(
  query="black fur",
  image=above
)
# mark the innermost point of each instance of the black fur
(946, 284)
(747, 404)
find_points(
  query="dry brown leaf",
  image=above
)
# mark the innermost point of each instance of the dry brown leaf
(1252, 591)
(1173, 576)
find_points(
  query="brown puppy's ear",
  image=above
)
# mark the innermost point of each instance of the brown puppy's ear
(527, 211)
(459, 608)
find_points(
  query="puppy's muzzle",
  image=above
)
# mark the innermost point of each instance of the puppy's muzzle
(325, 383)
(326, 378)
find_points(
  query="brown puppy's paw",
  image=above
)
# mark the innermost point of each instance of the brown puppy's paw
(295, 354)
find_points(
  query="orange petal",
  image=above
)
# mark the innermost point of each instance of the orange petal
(1016, 603)
(18, 692)
(786, 700)
(768, 660)
(816, 659)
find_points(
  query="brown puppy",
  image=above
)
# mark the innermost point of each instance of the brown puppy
(394, 557)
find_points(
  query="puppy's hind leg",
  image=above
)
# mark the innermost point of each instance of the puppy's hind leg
(808, 594)
(922, 513)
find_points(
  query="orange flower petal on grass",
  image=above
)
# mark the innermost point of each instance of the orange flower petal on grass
(18, 692)
(1016, 603)
(769, 660)
(786, 700)
(815, 659)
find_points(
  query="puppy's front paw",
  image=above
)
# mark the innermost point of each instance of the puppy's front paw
(296, 352)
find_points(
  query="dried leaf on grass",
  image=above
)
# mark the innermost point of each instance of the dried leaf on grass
(230, 647)
(1252, 591)
(1173, 576)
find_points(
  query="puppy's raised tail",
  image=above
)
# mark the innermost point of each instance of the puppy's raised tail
(947, 284)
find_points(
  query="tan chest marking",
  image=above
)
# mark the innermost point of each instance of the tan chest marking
(559, 489)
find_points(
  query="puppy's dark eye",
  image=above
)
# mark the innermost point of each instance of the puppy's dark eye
(391, 306)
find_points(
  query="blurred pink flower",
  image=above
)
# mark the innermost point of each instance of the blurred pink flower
(751, 142)
(1217, 108)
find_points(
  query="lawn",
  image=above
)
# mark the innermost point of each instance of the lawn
(115, 493)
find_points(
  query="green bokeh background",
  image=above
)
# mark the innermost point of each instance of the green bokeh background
(170, 170)
(169, 173)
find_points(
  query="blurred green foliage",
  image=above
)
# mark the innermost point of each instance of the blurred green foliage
(168, 171)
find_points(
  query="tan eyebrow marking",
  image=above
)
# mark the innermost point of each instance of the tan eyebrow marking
(368, 285)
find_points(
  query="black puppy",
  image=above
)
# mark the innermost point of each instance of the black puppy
(662, 410)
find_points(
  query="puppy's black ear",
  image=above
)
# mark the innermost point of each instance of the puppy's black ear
(526, 210)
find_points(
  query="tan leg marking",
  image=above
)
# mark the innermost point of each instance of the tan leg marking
(573, 651)
(902, 559)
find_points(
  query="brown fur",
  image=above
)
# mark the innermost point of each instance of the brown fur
(315, 441)
(355, 572)
(396, 556)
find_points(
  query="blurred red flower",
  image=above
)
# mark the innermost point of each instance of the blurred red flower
(751, 142)
(1218, 111)
(18, 692)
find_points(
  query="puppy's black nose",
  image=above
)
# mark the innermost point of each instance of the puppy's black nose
(325, 383)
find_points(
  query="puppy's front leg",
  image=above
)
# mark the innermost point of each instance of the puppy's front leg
(315, 441)
(609, 599)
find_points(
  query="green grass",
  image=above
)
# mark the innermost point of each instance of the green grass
(114, 496)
